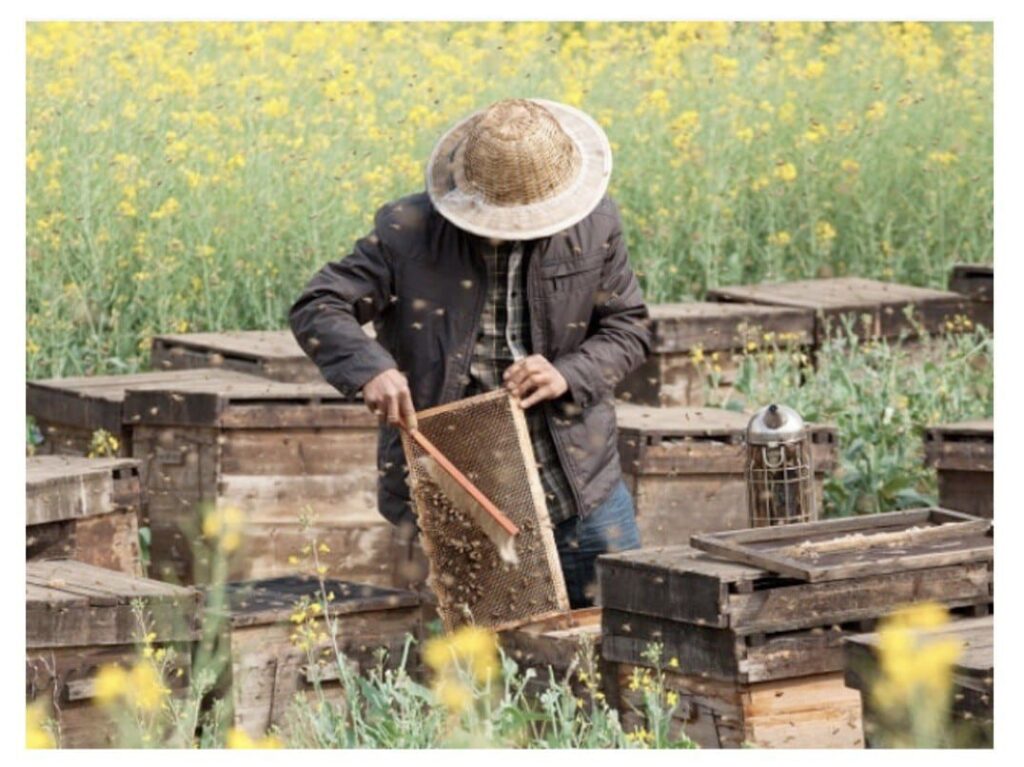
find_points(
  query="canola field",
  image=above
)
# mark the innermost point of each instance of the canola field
(192, 176)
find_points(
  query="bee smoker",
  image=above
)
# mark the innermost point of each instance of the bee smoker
(779, 470)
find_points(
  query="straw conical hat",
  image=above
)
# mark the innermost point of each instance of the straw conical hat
(520, 169)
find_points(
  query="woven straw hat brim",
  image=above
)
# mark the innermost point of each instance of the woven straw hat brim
(529, 221)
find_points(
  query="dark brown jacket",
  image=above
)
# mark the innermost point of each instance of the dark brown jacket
(416, 276)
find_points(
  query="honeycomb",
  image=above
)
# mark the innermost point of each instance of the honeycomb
(486, 438)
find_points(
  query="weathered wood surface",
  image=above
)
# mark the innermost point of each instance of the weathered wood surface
(207, 399)
(268, 670)
(275, 451)
(80, 617)
(720, 653)
(976, 281)
(86, 509)
(67, 487)
(967, 446)
(835, 549)
(69, 410)
(558, 644)
(699, 440)
(685, 469)
(963, 455)
(683, 584)
(72, 603)
(830, 298)
(272, 354)
(671, 376)
(486, 437)
(973, 673)
(66, 676)
(810, 712)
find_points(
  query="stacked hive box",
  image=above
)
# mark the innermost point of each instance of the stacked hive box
(278, 452)
(267, 667)
(970, 724)
(86, 509)
(685, 469)
(755, 657)
(269, 353)
(561, 646)
(976, 281)
(277, 355)
(700, 343)
(963, 455)
(80, 617)
(878, 309)
(69, 411)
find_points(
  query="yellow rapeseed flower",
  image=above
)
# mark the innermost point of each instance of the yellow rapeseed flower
(36, 735)
(110, 685)
(237, 738)
(146, 687)
(785, 171)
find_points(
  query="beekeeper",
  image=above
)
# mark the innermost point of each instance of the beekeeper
(509, 270)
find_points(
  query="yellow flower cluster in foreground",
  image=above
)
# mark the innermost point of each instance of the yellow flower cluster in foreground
(467, 656)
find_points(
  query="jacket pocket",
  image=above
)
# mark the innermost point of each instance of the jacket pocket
(573, 273)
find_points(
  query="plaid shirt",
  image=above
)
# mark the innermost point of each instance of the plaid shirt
(504, 338)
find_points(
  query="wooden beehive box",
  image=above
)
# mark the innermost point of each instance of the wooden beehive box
(973, 701)
(273, 450)
(963, 455)
(976, 281)
(267, 669)
(686, 337)
(486, 437)
(79, 617)
(748, 649)
(268, 353)
(69, 410)
(85, 509)
(685, 469)
(562, 645)
(883, 303)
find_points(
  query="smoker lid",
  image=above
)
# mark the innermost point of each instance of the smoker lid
(775, 423)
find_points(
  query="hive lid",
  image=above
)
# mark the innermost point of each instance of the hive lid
(206, 400)
(252, 344)
(982, 427)
(694, 422)
(94, 402)
(882, 302)
(717, 326)
(830, 293)
(74, 604)
(43, 470)
(273, 600)
(836, 549)
(59, 487)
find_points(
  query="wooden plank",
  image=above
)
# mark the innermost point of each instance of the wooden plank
(716, 326)
(830, 298)
(676, 582)
(721, 653)
(834, 549)
(805, 605)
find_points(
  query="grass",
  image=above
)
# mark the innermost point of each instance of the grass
(192, 176)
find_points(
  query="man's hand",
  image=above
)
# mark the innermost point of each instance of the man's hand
(387, 395)
(534, 374)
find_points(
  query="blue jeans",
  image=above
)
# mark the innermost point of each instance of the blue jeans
(610, 527)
